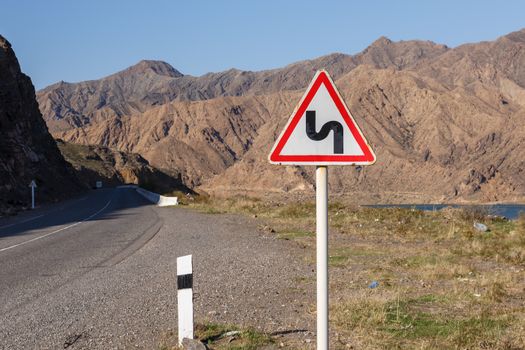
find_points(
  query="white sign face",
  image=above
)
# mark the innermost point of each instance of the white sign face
(321, 130)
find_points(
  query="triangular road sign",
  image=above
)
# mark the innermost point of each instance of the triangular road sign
(321, 130)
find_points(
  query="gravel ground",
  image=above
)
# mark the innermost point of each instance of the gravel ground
(242, 276)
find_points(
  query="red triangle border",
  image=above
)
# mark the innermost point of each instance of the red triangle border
(368, 156)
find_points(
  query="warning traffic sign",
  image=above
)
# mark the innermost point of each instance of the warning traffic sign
(321, 131)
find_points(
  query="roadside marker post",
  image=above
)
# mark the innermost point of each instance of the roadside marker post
(301, 143)
(33, 186)
(185, 297)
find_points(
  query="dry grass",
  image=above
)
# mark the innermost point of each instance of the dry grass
(442, 283)
(219, 336)
(504, 241)
(385, 320)
(395, 320)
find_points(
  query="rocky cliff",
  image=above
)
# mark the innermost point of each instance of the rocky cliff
(27, 150)
(445, 123)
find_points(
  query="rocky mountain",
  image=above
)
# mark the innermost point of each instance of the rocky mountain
(27, 150)
(431, 146)
(447, 124)
(152, 83)
(194, 140)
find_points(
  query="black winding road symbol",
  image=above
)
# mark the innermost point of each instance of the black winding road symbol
(325, 130)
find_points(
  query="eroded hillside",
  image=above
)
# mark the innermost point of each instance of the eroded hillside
(446, 124)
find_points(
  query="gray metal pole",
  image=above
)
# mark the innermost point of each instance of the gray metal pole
(321, 177)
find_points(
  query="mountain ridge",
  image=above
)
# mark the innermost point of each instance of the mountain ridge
(425, 107)
(58, 100)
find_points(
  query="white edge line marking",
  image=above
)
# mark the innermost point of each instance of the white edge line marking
(39, 216)
(22, 222)
(56, 231)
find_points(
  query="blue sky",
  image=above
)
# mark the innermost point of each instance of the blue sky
(80, 40)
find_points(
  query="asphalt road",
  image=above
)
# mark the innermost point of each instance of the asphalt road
(99, 272)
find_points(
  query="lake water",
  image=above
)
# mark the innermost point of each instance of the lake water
(510, 211)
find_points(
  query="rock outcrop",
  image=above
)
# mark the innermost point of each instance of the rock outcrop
(113, 168)
(27, 150)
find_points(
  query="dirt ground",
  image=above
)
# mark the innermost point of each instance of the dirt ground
(399, 278)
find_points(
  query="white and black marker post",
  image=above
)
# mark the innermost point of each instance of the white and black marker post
(338, 141)
(185, 297)
(33, 186)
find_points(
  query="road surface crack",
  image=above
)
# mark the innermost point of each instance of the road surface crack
(72, 339)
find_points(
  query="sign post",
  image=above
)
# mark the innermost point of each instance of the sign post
(321, 207)
(33, 186)
(301, 143)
